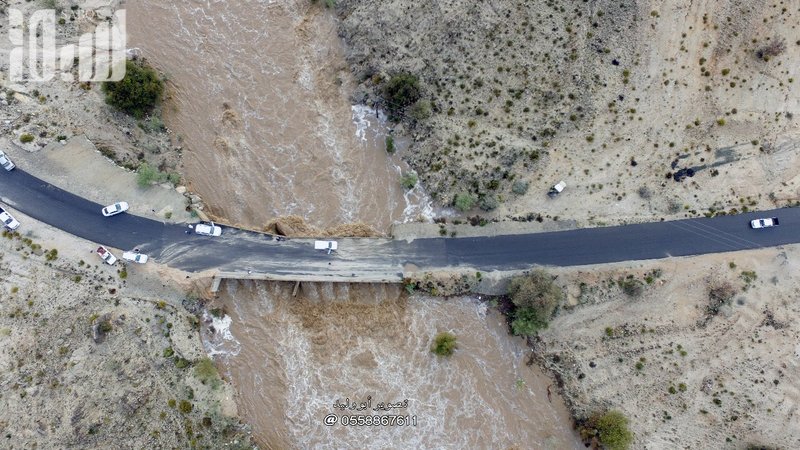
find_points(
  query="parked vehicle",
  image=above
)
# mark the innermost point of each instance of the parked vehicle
(135, 256)
(208, 229)
(116, 208)
(326, 245)
(556, 189)
(8, 220)
(6, 162)
(764, 223)
(106, 256)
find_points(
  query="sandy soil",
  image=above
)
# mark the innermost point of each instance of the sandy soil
(57, 110)
(602, 95)
(689, 372)
(82, 361)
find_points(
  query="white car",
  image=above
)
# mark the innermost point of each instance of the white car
(208, 229)
(5, 162)
(116, 208)
(136, 257)
(326, 245)
(764, 223)
(106, 256)
(7, 220)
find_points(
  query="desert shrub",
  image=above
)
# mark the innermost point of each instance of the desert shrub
(535, 297)
(464, 202)
(520, 187)
(137, 93)
(153, 124)
(611, 428)
(421, 110)
(721, 293)
(400, 91)
(185, 406)
(206, 372)
(409, 180)
(631, 287)
(645, 192)
(146, 175)
(489, 203)
(444, 344)
(774, 48)
(181, 363)
(26, 138)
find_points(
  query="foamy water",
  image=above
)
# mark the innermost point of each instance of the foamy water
(346, 344)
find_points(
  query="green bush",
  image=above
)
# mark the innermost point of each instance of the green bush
(399, 92)
(205, 371)
(390, 144)
(631, 287)
(464, 202)
(185, 406)
(489, 203)
(535, 297)
(26, 138)
(137, 93)
(409, 180)
(612, 430)
(421, 110)
(444, 344)
(146, 175)
(520, 187)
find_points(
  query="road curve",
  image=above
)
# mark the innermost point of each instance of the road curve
(241, 250)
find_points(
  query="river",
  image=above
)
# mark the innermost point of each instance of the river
(260, 94)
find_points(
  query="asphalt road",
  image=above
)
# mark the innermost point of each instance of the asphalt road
(240, 250)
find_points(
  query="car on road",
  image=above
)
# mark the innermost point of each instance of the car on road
(116, 208)
(208, 229)
(106, 256)
(326, 245)
(8, 220)
(764, 223)
(136, 257)
(5, 162)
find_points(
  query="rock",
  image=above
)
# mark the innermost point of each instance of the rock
(180, 189)
(21, 98)
(195, 199)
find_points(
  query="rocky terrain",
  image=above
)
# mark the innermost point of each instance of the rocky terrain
(648, 109)
(99, 356)
(698, 352)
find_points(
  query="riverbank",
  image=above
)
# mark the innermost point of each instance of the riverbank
(94, 355)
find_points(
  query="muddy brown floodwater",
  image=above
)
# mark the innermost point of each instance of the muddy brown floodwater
(259, 95)
(294, 358)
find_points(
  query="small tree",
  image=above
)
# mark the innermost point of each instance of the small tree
(137, 93)
(535, 297)
(464, 202)
(400, 91)
(444, 344)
